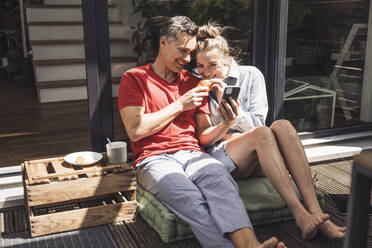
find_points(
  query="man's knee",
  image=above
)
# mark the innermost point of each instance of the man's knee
(213, 176)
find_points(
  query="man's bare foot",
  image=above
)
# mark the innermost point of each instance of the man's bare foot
(310, 223)
(272, 243)
(332, 230)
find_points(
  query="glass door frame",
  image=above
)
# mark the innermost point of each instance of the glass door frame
(98, 72)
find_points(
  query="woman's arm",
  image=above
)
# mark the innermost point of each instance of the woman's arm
(252, 111)
(208, 134)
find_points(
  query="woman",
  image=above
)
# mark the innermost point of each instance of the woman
(241, 141)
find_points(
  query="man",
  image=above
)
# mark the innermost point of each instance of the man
(159, 103)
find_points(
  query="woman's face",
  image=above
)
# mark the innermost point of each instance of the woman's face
(212, 64)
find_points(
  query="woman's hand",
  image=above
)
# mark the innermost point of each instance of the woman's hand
(218, 85)
(228, 111)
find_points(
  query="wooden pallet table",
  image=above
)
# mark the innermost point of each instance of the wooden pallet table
(61, 197)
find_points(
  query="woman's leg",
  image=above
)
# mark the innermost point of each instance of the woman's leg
(261, 141)
(295, 158)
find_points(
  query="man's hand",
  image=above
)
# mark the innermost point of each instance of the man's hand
(193, 98)
(228, 111)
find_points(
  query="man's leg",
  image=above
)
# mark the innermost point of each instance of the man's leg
(165, 178)
(222, 196)
(219, 189)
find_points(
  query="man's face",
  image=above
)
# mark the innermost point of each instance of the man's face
(177, 51)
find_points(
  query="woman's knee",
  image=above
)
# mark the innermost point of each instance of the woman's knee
(263, 135)
(283, 127)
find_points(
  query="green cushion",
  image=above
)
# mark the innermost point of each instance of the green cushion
(264, 205)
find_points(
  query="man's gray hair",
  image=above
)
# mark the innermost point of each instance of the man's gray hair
(178, 24)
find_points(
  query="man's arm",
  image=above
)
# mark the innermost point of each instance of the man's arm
(140, 125)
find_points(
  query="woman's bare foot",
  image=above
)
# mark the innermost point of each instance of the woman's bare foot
(272, 243)
(310, 223)
(333, 231)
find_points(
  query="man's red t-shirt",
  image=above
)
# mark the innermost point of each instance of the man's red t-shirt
(141, 86)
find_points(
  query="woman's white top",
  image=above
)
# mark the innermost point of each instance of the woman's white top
(252, 97)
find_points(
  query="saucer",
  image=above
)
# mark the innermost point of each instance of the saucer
(83, 158)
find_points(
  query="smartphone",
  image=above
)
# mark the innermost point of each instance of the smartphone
(231, 91)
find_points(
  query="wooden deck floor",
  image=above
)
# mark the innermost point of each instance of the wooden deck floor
(31, 130)
(333, 178)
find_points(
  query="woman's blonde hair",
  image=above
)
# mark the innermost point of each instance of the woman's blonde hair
(209, 37)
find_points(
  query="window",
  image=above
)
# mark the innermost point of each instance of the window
(327, 84)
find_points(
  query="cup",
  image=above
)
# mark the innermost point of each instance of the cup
(116, 152)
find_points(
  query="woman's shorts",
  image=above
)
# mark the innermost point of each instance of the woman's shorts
(219, 152)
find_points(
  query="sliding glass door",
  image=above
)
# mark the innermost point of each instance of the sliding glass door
(329, 46)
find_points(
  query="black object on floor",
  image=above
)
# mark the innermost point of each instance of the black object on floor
(341, 202)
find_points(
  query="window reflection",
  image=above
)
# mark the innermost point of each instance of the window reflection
(326, 47)
(235, 17)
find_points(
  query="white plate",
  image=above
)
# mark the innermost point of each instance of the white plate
(83, 158)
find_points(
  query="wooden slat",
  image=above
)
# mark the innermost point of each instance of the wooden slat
(21, 220)
(53, 62)
(25, 190)
(122, 237)
(2, 224)
(75, 219)
(68, 83)
(43, 160)
(40, 171)
(58, 6)
(77, 189)
(63, 42)
(9, 228)
(34, 169)
(29, 170)
(155, 240)
(140, 241)
(59, 169)
(62, 23)
(96, 170)
(327, 183)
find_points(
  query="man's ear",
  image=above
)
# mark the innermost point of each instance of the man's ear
(163, 41)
